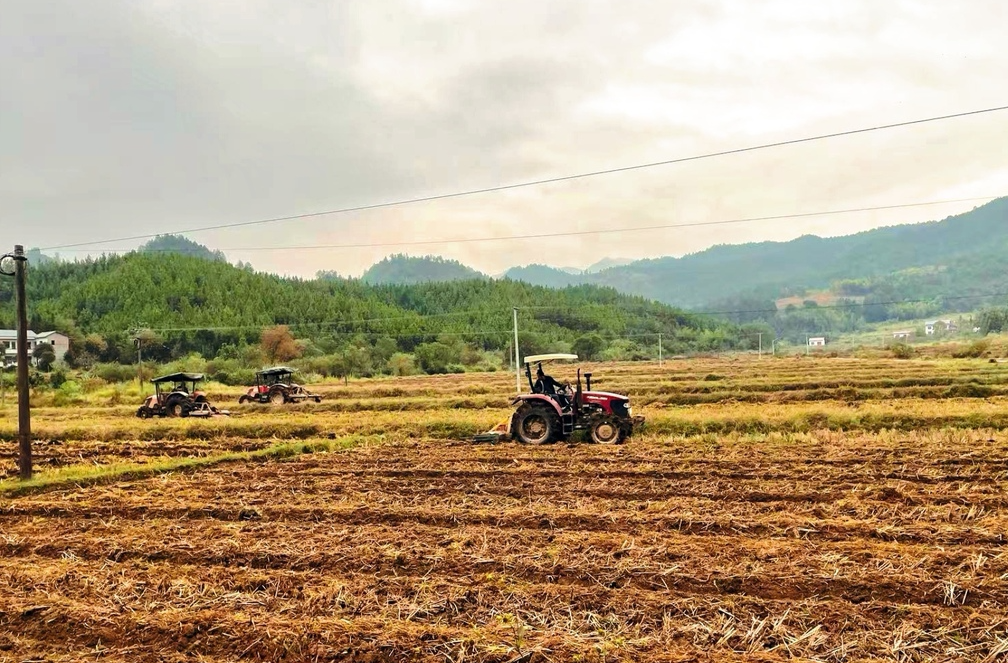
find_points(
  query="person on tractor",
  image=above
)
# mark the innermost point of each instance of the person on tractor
(544, 384)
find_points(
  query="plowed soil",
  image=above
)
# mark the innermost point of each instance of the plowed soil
(823, 546)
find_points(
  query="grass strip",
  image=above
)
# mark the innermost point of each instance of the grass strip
(87, 475)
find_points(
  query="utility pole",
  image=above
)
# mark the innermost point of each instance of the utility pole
(517, 360)
(660, 364)
(137, 333)
(760, 345)
(18, 271)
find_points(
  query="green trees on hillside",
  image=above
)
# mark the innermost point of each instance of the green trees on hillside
(182, 246)
(193, 306)
(964, 246)
(408, 270)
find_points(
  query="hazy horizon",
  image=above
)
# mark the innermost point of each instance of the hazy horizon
(562, 266)
(125, 118)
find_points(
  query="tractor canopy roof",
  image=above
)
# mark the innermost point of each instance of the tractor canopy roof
(277, 370)
(179, 377)
(557, 356)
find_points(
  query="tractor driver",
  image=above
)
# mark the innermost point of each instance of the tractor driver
(545, 384)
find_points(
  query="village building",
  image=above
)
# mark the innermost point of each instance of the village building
(940, 327)
(8, 344)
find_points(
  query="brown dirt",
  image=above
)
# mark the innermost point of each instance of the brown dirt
(863, 548)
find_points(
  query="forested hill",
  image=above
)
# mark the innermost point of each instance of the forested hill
(182, 246)
(407, 270)
(773, 269)
(173, 294)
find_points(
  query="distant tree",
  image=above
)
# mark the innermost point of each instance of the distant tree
(278, 344)
(437, 357)
(401, 364)
(353, 360)
(902, 351)
(626, 350)
(384, 348)
(470, 356)
(588, 347)
(993, 321)
(853, 287)
(228, 351)
(44, 356)
(95, 344)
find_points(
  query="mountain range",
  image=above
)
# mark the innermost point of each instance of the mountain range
(195, 301)
(810, 284)
(948, 257)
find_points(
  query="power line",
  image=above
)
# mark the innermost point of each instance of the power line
(849, 305)
(857, 304)
(550, 180)
(334, 323)
(572, 233)
(565, 309)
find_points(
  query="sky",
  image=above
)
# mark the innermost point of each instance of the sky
(121, 118)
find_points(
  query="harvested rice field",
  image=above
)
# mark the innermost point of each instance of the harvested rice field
(783, 509)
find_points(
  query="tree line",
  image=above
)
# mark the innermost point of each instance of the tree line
(184, 306)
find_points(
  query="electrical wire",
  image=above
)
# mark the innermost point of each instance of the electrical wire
(563, 309)
(540, 182)
(572, 233)
(336, 323)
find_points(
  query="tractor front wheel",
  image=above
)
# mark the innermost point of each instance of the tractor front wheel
(606, 431)
(536, 425)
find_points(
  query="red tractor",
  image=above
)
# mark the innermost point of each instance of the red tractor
(552, 412)
(176, 395)
(275, 385)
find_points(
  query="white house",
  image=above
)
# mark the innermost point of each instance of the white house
(60, 342)
(903, 334)
(817, 341)
(8, 344)
(940, 326)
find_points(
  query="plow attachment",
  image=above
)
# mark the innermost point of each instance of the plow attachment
(500, 433)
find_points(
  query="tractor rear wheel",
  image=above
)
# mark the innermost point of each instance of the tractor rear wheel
(276, 397)
(536, 425)
(606, 430)
(177, 409)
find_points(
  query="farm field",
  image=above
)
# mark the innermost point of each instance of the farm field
(782, 509)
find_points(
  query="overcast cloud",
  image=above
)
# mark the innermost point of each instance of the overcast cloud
(120, 117)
